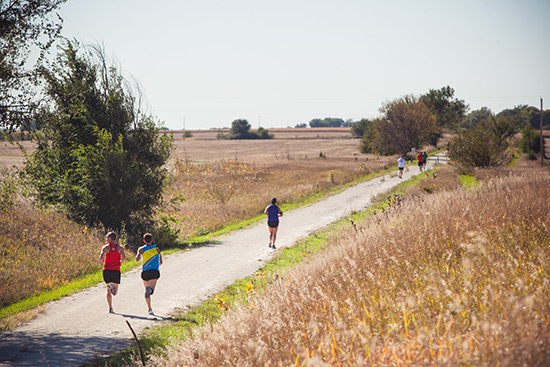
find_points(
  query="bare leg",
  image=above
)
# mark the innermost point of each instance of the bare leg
(273, 236)
(152, 283)
(147, 299)
(109, 298)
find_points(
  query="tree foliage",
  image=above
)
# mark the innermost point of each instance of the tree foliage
(24, 26)
(524, 115)
(530, 142)
(449, 111)
(475, 117)
(102, 160)
(358, 128)
(240, 129)
(406, 123)
(483, 146)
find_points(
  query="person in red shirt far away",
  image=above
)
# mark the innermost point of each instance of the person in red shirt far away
(112, 254)
(420, 158)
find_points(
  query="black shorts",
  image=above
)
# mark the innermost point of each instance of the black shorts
(273, 223)
(111, 276)
(401, 168)
(150, 274)
(420, 164)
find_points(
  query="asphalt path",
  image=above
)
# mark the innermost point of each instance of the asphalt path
(78, 328)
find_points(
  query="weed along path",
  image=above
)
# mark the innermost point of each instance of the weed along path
(78, 328)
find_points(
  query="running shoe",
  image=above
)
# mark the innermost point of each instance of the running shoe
(151, 313)
(148, 292)
(112, 289)
(111, 310)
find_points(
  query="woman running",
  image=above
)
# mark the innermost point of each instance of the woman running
(273, 213)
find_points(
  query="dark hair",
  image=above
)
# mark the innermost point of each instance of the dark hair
(273, 201)
(148, 237)
(112, 235)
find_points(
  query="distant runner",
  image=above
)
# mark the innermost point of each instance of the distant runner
(420, 159)
(401, 165)
(112, 254)
(152, 260)
(273, 213)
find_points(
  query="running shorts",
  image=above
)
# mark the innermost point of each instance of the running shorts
(111, 276)
(150, 274)
(273, 223)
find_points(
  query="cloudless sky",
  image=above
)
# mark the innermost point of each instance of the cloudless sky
(278, 63)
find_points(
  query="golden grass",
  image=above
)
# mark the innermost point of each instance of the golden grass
(41, 251)
(206, 196)
(454, 278)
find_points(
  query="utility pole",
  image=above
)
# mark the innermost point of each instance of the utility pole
(541, 137)
(183, 123)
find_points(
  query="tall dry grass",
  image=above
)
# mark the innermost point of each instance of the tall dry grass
(205, 196)
(42, 250)
(452, 278)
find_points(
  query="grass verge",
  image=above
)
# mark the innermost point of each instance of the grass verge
(468, 182)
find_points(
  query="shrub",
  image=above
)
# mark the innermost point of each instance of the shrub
(530, 141)
(483, 146)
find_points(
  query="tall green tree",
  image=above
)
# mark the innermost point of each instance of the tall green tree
(406, 123)
(25, 26)
(240, 129)
(102, 160)
(449, 111)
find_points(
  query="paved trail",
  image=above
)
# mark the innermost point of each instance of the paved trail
(78, 328)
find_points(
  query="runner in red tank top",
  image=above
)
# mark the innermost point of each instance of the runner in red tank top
(112, 254)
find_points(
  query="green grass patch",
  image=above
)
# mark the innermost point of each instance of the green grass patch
(514, 161)
(468, 182)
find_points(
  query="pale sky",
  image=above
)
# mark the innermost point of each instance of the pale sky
(280, 63)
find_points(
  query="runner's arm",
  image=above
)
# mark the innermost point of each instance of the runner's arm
(160, 256)
(122, 253)
(138, 255)
(102, 254)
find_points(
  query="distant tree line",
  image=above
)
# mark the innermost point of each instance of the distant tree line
(330, 122)
(481, 137)
(240, 129)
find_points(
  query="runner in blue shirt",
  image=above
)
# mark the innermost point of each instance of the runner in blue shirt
(273, 213)
(152, 259)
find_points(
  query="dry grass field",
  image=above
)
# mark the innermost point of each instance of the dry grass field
(42, 250)
(452, 278)
(217, 182)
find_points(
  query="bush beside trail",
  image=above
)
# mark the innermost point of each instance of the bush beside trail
(452, 278)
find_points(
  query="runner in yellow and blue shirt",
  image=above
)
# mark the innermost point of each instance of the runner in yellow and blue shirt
(152, 259)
